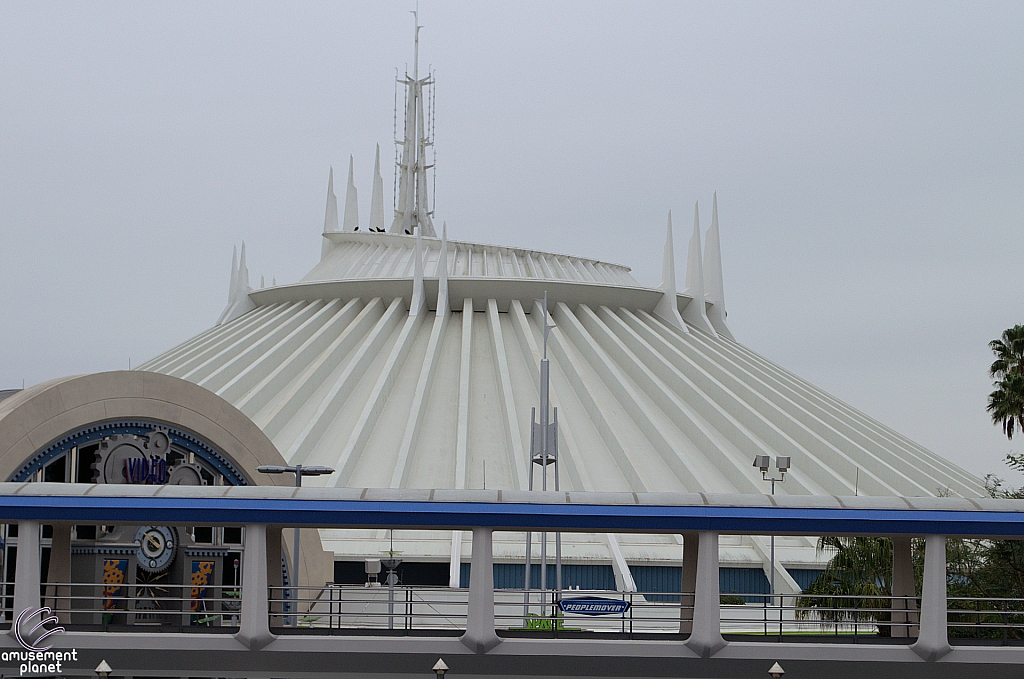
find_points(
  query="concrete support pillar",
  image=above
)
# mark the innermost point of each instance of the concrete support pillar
(933, 641)
(26, 574)
(254, 627)
(480, 635)
(60, 572)
(904, 616)
(274, 579)
(706, 638)
(690, 542)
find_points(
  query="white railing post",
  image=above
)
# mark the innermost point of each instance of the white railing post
(690, 542)
(480, 635)
(26, 575)
(254, 623)
(706, 637)
(933, 640)
(904, 615)
(274, 573)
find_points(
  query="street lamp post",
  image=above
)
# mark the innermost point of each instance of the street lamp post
(782, 465)
(299, 471)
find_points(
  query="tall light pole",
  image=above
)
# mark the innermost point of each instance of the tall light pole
(299, 471)
(782, 465)
(544, 452)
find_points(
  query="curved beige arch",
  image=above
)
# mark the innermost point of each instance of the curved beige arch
(34, 418)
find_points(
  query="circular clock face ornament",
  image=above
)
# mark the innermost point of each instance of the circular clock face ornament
(157, 546)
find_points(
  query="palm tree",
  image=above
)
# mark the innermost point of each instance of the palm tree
(1006, 403)
(853, 586)
(1009, 351)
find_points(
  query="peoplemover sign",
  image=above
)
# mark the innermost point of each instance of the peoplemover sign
(593, 605)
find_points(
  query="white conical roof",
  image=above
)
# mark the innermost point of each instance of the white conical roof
(644, 406)
(337, 372)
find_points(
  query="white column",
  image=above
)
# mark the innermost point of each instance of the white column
(60, 570)
(275, 538)
(480, 636)
(254, 629)
(904, 616)
(706, 638)
(690, 542)
(26, 575)
(933, 642)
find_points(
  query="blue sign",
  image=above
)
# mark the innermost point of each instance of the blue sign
(592, 605)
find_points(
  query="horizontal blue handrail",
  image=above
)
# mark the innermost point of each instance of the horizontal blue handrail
(83, 508)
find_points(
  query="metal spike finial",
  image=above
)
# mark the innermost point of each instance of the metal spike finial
(695, 312)
(234, 270)
(351, 222)
(331, 213)
(243, 273)
(239, 302)
(377, 198)
(232, 285)
(714, 286)
(330, 216)
(668, 307)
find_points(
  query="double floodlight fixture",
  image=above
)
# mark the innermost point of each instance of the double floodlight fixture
(764, 464)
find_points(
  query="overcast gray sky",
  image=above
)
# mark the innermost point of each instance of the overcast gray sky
(868, 158)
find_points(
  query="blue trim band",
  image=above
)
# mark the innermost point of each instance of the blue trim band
(510, 516)
(95, 433)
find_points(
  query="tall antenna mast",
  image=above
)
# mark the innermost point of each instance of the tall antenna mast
(413, 209)
(544, 452)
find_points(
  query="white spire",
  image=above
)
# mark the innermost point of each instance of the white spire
(413, 208)
(234, 271)
(232, 284)
(263, 283)
(695, 313)
(418, 303)
(377, 199)
(714, 286)
(668, 309)
(351, 222)
(243, 273)
(443, 305)
(238, 292)
(331, 215)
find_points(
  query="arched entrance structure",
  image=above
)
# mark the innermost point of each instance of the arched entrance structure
(43, 423)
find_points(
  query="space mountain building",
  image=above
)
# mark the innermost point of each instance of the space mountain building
(408, 360)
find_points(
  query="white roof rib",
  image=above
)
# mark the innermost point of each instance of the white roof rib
(649, 407)
(372, 255)
(336, 372)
